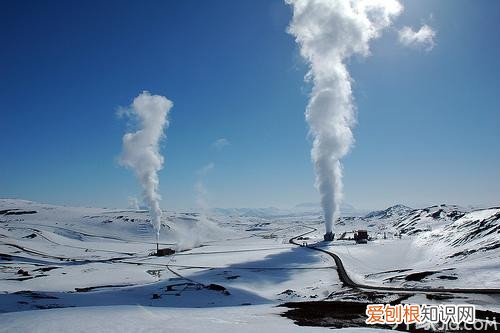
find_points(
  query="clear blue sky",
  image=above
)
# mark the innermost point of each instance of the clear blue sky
(428, 122)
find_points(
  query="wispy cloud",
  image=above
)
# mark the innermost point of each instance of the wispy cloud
(219, 144)
(423, 38)
(202, 192)
(203, 171)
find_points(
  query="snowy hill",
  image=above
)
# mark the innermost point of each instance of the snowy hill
(427, 219)
(473, 233)
(445, 242)
(455, 230)
(391, 212)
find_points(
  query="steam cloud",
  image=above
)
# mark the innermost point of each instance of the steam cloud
(141, 151)
(201, 190)
(329, 32)
(190, 233)
(133, 203)
(424, 37)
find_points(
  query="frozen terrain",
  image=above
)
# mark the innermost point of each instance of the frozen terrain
(91, 269)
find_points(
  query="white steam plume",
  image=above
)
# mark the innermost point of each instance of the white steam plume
(201, 190)
(141, 151)
(133, 203)
(191, 233)
(328, 33)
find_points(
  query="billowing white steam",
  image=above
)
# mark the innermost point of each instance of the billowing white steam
(191, 233)
(328, 33)
(141, 151)
(201, 191)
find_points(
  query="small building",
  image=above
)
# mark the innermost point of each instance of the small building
(361, 236)
(164, 252)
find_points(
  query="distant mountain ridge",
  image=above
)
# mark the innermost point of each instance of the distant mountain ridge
(306, 208)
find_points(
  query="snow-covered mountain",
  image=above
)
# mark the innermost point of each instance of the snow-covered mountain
(467, 234)
(456, 230)
(435, 244)
(427, 219)
(391, 212)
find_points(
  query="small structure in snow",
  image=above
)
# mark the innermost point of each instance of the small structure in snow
(164, 252)
(361, 236)
(329, 236)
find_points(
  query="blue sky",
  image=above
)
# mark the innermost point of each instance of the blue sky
(427, 121)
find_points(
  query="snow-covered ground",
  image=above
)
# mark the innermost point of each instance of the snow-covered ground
(89, 269)
(452, 247)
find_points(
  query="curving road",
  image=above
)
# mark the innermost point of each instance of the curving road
(346, 280)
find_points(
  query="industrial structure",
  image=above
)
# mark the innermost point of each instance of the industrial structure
(361, 236)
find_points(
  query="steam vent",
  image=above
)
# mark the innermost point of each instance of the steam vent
(329, 236)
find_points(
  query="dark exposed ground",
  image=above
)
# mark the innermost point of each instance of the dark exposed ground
(344, 314)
